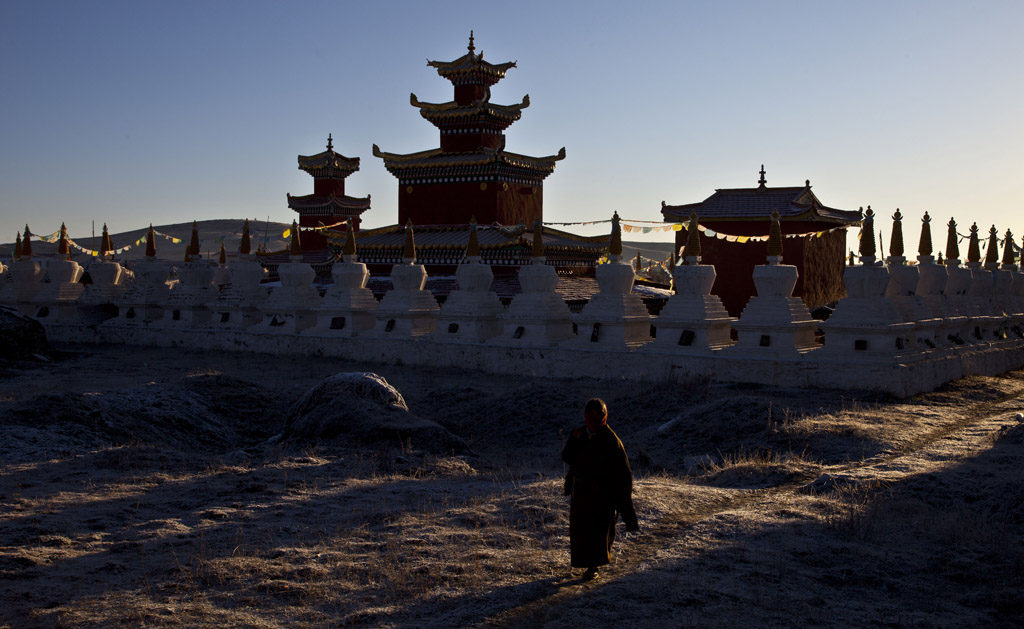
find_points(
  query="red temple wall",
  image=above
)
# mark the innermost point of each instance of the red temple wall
(456, 203)
(323, 187)
(820, 262)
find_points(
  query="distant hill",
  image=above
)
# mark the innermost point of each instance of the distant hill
(211, 234)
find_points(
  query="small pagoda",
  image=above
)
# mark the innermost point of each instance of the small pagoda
(328, 206)
(471, 174)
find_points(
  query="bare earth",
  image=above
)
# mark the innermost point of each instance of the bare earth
(136, 487)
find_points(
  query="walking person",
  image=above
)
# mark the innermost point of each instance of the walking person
(601, 485)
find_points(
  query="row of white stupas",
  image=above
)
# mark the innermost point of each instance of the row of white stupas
(894, 314)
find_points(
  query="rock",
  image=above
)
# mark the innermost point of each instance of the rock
(364, 407)
(20, 336)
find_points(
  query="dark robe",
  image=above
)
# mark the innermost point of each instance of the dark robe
(602, 488)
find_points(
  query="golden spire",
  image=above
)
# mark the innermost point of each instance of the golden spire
(223, 259)
(151, 242)
(896, 239)
(350, 242)
(973, 247)
(245, 248)
(538, 240)
(193, 245)
(409, 251)
(924, 246)
(952, 241)
(17, 247)
(106, 244)
(295, 247)
(867, 238)
(615, 244)
(26, 244)
(992, 253)
(62, 245)
(473, 248)
(692, 248)
(1008, 258)
(775, 236)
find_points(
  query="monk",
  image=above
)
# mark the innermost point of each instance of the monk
(601, 486)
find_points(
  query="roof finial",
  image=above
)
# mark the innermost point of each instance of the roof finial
(330, 142)
(762, 181)
(471, 47)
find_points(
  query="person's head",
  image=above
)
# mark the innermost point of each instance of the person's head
(595, 413)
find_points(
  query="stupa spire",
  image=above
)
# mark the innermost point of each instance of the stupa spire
(63, 248)
(473, 248)
(691, 251)
(974, 246)
(1009, 260)
(245, 247)
(192, 252)
(26, 243)
(106, 243)
(615, 243)
(17, 247)
(774, 238)
(295, 246)
(924, 246)
(409, 250)
(223, 258)
(151, 242)
(349, 250)
(992, 253)
(538, 241)
(952, 242)
(896, 239)
(867, 238)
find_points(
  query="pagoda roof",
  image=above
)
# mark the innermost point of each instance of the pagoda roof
(737, 204)
(452, 111)
(437, 158)
(329, 163)
(311, 201)
(471, 69)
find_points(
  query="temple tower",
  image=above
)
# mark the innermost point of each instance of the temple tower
(471, 173)
(328, 205)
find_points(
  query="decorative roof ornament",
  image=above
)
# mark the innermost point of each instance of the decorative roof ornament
(295, 246)
(349, 250)
(409, 251)
(330, 142)
(762, 181)
(106, 243)
(952, 243)
(63, 248)
(26, 243)
(615, 243)
(1009, 260)
(896, 239)
(245, 247)
(692, 247)
(992, 253)
(471, 47)
(940, 259)
(223, 258)
(473, 248)
(867, 238)
(775, 239)
(192, 251)
(924, 246)
(17, 247)
(974, 247)
(538, 241)
(151, 242)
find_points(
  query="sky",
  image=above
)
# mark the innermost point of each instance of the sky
(128, 113)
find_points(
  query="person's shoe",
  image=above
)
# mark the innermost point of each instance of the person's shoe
(590, 574)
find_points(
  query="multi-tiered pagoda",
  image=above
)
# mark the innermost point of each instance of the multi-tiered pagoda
(328, 205)
(471, 174)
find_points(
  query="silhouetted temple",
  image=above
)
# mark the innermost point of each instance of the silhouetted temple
(328, 205)
(471, 174)
(744, 212)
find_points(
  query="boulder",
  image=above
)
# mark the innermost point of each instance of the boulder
(20, 336)
(364, 407)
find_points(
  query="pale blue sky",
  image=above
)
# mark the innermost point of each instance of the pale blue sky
(137, 112)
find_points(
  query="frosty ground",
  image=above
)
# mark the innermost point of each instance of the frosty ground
(145, 486)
